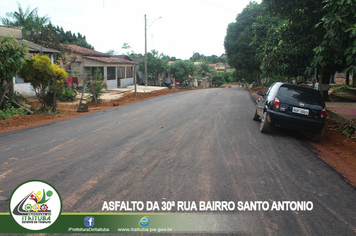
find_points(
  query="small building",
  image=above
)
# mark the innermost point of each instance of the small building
(117, 72)
(213, 66)
(20, 85)
(220, 67)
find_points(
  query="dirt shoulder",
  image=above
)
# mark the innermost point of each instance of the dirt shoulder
(335, 149)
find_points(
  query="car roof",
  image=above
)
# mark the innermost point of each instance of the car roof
(280, 84)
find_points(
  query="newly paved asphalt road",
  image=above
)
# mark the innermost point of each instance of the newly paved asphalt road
(200, 145)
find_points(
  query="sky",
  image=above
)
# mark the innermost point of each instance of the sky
(185, 26)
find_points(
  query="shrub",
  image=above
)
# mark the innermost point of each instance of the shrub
(66, 94)
(98, 84)
(10, 111)
(218, 79)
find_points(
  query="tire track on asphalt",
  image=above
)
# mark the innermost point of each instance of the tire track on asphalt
(179, 149)
(286, 195)
(293, 179)
(242, 167)
(143, 172)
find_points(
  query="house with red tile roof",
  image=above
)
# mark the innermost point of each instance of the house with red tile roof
(84, 62)
(21, 85)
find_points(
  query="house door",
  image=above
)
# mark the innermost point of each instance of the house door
(111, 80)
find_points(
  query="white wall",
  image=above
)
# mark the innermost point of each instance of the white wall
(25, 89)
(125, 82)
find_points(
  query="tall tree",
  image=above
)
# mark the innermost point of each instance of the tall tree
(11, 57)
(338, 45)
(156, 63)
(204, 69)
(182, 69)
(27, 20)
(318, 32)
(240, 54)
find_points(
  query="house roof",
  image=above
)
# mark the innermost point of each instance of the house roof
(85, 51)
(198, 63)
(137, 60)
(110, 60)
(36, 48)
(170, 62)
(123, 57)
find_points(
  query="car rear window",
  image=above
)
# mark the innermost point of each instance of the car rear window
(302, 95)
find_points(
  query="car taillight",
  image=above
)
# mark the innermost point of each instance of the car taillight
(323, 113)
(276, 103)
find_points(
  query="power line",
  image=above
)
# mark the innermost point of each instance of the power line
(222, 7)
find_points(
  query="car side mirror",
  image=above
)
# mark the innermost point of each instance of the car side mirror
(260, 93)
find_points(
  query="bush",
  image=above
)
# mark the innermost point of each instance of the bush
(18, 97)
(349, 129)
(98, 84)
(219, 79)
(66, 94)
(10, 111)
(45, 78)
(339, 89)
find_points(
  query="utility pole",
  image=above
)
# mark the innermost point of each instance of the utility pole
(146, 46)
(145, 51)
(135, 82)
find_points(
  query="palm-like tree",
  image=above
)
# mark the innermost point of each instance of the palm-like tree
(28, 20)
(205, 69)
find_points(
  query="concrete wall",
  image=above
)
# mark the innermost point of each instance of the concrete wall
(125, 82)
(25, 89)
(15, 32)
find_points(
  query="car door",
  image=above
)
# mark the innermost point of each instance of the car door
(261, 102)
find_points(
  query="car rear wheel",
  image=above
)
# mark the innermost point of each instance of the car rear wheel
(318, 136)
(255, 115)
(264, 126)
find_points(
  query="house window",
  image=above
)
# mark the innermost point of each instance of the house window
(111, 73)
(129, 72)
(121, 72)
(94, 71)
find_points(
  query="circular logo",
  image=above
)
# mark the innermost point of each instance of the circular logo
(35, 205)
(144, 221)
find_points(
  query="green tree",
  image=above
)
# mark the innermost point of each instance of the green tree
(126, 46)
(218, 79)
(98, 84)
(27, 20)
(111, 52)
(132, 54)
(239, 51)
(204, 69)
(68, 37)
(11, 57)
(156, 63)
(182, 69)
(196, 57)
(213, 59)
(58, 81)
(337, 47)
(315, 34)
(52, 37)
(292, 36)
(49, 38)
(45, 78)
